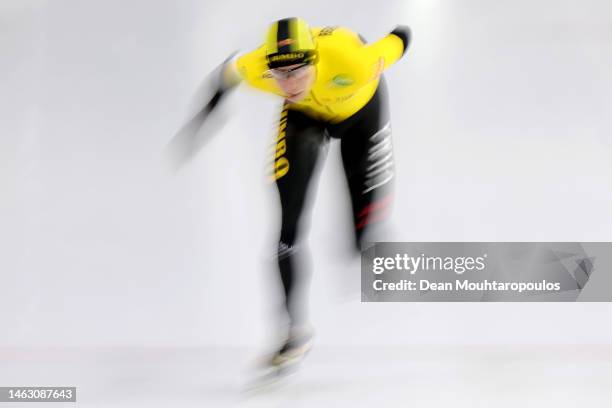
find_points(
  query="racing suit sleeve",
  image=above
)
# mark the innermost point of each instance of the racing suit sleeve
(225, 78)
(390, 48)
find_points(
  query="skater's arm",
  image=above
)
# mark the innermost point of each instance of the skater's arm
(389, 49)
(223, 79)
(215, 87)
(190, 137)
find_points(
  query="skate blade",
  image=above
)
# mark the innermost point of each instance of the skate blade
(274, 379)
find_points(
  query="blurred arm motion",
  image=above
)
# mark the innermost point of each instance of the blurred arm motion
(189, 140)
(389, 49)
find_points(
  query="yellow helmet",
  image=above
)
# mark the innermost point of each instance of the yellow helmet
(289, 41)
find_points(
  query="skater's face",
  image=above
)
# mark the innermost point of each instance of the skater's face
(295, 80)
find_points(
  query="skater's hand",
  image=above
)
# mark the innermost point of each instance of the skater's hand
(403, 32)
(192, 137)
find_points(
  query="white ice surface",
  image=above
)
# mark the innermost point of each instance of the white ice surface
(342, 377)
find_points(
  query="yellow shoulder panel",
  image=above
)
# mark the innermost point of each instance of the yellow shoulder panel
(389, 48)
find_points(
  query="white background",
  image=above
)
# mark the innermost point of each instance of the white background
(501, 127)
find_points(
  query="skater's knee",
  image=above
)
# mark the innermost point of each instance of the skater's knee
(285, 249)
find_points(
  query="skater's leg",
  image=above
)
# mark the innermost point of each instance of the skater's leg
(367, 158)
(300, 142)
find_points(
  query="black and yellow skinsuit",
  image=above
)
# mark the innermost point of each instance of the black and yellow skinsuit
(348, 72)
(348, 101)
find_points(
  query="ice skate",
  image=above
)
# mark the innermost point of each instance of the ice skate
(285, 361)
